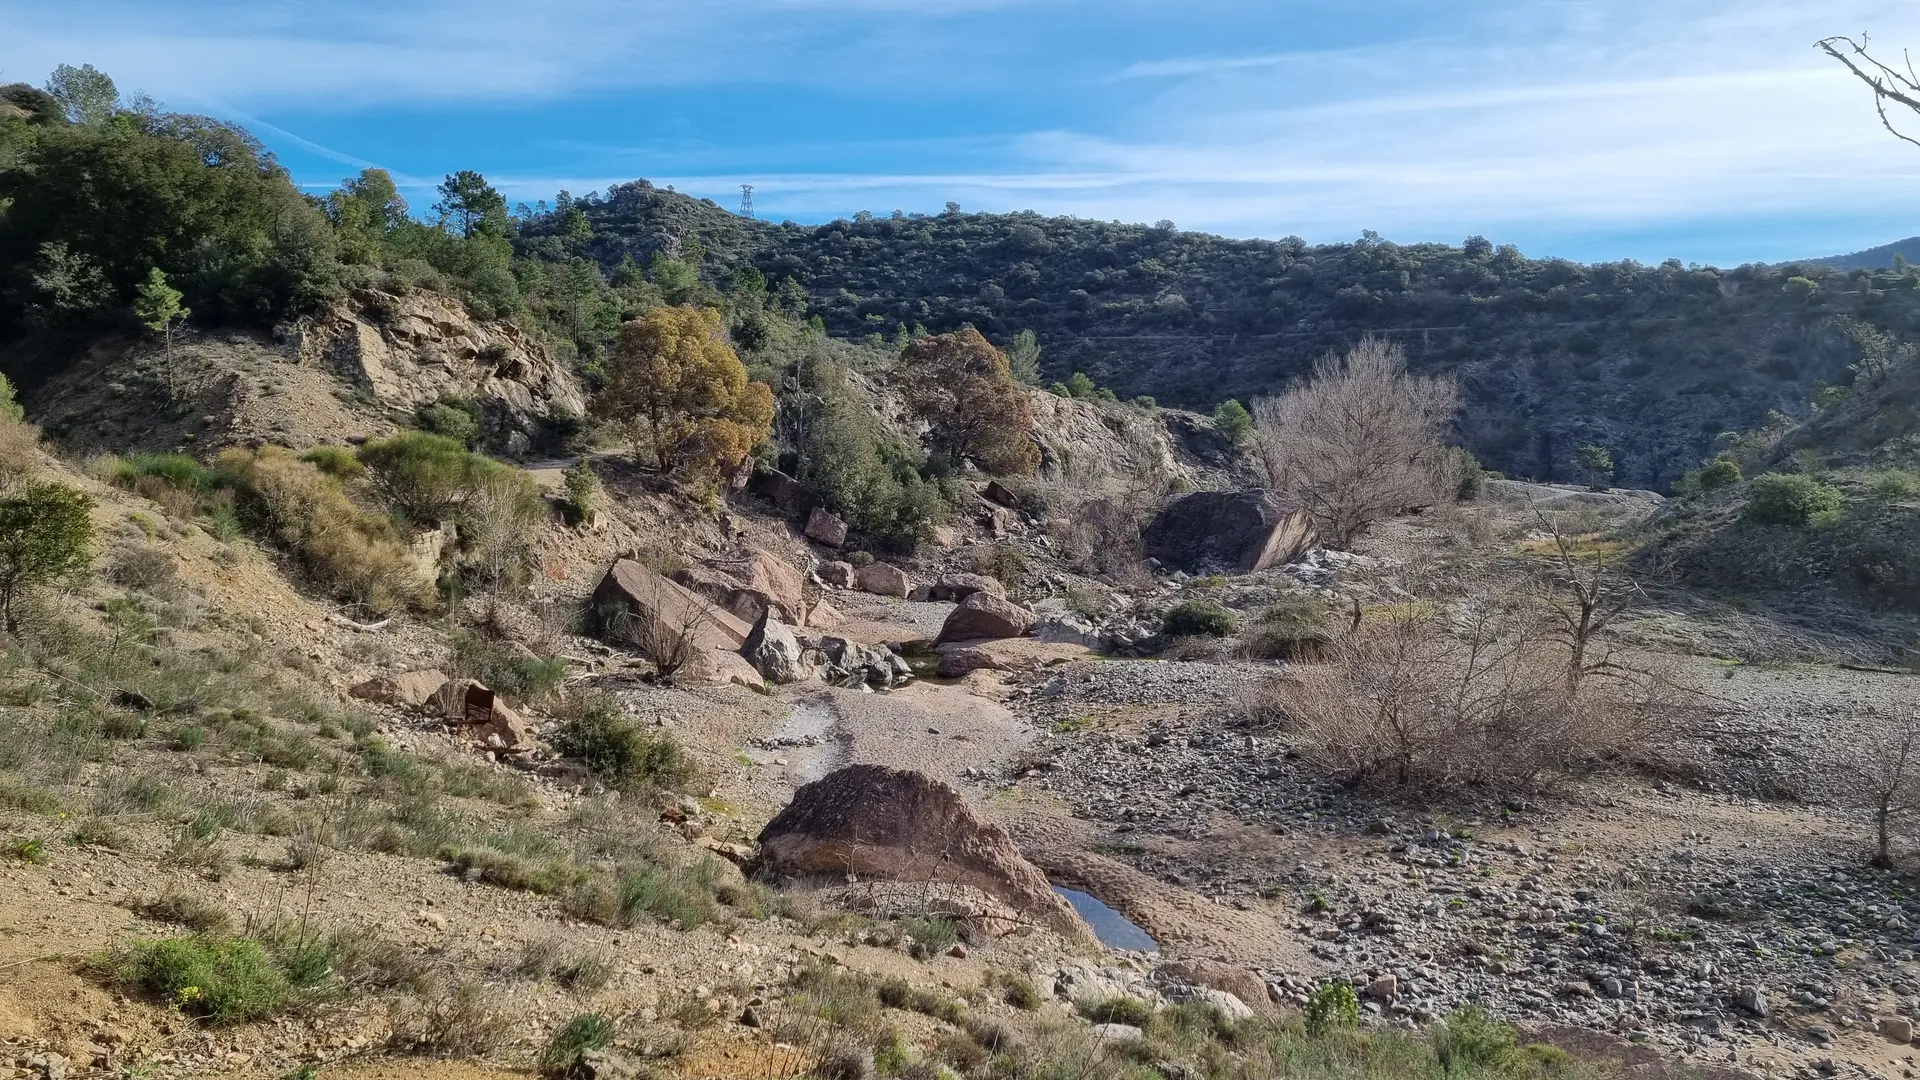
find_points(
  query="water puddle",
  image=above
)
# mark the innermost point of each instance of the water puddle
(1114, 930)
(806, 746)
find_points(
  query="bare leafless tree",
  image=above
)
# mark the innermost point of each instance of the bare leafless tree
(1887, 762)
(665, 626)
(1582, 593)
(1892, 86)
(1360, 440)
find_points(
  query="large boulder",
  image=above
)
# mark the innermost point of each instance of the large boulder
(884, 579)
(408, 689)
(899, 825)
(956, 587)
(748, 585)
(840, 575)
(984, 615)
(826, 528)
(1228, 532)
(959, 663)
(635, 606)
(1248, 990)
(774, 652)
(632, 592)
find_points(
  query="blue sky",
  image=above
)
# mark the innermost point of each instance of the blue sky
(1707, 130)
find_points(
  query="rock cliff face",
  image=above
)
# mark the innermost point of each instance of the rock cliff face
(897, 825)
(354, 371)
(1091, 440)
(411, 350)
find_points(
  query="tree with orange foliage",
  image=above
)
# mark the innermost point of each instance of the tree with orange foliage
(675, 384)
(964, 388)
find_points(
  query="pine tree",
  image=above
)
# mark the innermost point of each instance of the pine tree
(157, 305)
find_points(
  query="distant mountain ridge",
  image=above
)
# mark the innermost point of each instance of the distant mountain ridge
(1653, 362)
(1878, 258)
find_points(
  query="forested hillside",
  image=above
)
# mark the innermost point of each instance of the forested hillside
(1652, 361)
(1883, 257)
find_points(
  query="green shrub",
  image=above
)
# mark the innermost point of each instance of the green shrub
(453, 418)
(26, 848)
(587, 1031)
(339, 462)
(932, 936)
(523, 873)
(518, 677)
(45, 535)
(177, 470)
(623, 755)
(1714, 475)
(221, 979)
(1895, 484)
(1471, 1043)
(860, 559)
(1197, 618)
(1472, 476)
(305, 511)
(583, 490)
(1115, 1010)
(1232, 420)
(1295, 626)
(897, 993)
(192, 912)
(681, 895)
(1003, 563)
(1792, 499)
(1334, 1005)
(873, 478)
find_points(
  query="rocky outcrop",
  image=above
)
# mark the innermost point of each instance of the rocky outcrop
(849, 663)
(1227, 532)
(840, 575)
(413, 348)
(1248, 991)
(899, 825)
(984, 615)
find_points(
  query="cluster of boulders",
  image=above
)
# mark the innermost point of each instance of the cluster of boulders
(785, 657)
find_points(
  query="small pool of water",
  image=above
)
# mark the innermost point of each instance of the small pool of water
(1114, 930)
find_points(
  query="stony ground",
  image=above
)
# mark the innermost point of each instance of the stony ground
(1718, 909)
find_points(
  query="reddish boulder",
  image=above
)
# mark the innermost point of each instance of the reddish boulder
(884, 579)
(826, 528)
(984, 615)
(957, 587)
(631, 594)
(410, 689)
(898, 825)
(748, 585)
